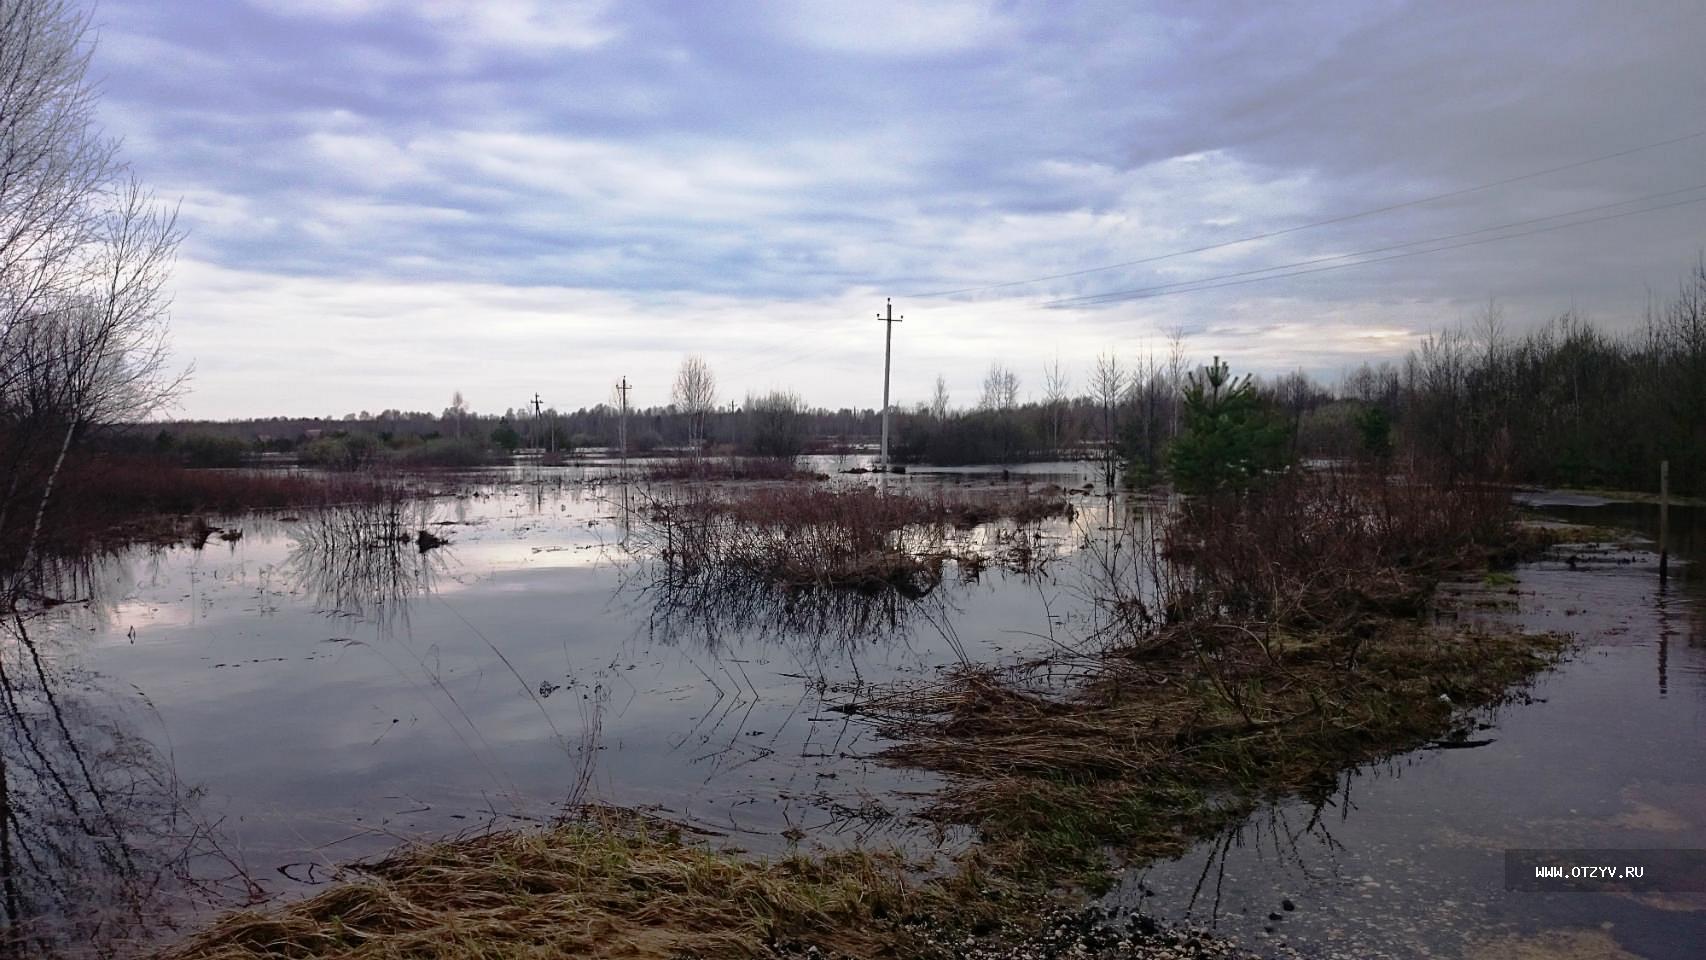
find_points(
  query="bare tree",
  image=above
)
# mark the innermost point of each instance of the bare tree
(1489, 330)
(456, 411)
(1057, 386)
(776, 424)
(98, 355)
(1148, 391)
(1177, 365)
(1000, 388)
(695, 395)
(1295, 394)
(55, 168)
(939, 398)
(1107, 387)
(84, 257)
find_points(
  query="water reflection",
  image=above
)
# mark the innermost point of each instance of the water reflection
(1603, 754)
(718, 611)
(95, 827)
(368, 561)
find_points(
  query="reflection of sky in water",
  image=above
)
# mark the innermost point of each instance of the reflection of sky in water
(335, 691)
(1405, 859)
(330, 709)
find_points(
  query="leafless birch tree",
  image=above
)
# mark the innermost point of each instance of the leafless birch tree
(84, 256)
(1057, 386)
(1000, 388)
(695, 395)
(1107, 388)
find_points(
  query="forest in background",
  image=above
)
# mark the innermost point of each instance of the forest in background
(1567, 404)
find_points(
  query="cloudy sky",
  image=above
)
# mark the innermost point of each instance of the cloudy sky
(388, 200)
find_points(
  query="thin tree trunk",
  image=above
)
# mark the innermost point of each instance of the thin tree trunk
(41, 510)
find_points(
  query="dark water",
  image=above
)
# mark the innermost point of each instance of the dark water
(1406, 858)
(206, 726)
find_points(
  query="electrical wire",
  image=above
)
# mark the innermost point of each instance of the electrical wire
(1228, 280)
(1342, 218)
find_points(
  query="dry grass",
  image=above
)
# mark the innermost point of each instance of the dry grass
(856, 538)
(611, 885)
(1158, 744)
(1315, 547)
(110, 499)
(1275, 638)
(1183, 723)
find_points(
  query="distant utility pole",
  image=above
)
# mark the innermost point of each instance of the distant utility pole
(1664, 521)
(622, 389)
(536, 418)
(888, 347)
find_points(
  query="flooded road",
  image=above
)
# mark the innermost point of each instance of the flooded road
(1405, 858)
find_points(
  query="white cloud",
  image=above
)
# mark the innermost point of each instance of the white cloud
(526, 25)
(895, 28)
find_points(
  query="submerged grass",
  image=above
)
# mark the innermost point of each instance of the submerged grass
(115, 499)
(1228, 681)
(706, 469)
(858, 538)
(1275, 637)
(1156, 747)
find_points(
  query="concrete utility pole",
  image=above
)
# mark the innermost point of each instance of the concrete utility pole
(622, 389)
(536, 406)
(888, 347)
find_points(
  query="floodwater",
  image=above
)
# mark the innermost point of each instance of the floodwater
(199, 728)
(1405, 859)
(202, 727)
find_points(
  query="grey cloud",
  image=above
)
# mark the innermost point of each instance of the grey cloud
(663, 152)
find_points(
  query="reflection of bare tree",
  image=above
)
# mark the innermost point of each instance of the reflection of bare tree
(367, 560)
(712, 605)
(94, 824)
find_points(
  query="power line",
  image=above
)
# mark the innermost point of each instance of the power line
(1094, 297)
(1210, 283)
(1319, 223)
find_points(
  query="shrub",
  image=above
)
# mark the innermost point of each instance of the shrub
(446, 452)
(776, 424)
(200, 450)
(342, 452)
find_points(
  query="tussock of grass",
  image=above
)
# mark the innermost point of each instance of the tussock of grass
(855, 538)
(1161, 744)
(608, 886)
(1276, 641)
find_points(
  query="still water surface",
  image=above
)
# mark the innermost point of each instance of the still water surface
(254, 712)
(1405, 858)
(261, 709)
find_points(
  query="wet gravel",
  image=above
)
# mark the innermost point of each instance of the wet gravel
(1088, 934)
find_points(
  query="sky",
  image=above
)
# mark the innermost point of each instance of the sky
(390, 200)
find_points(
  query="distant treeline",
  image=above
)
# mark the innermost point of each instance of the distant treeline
(773, 424)
(1566, 404)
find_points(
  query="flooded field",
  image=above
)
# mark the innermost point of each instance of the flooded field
(203, 726)
(251, 712)
(1405, 858)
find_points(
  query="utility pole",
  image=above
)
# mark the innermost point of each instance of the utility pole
(536, 418)
(622, 389)
(1664, 521)
(888, 347)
